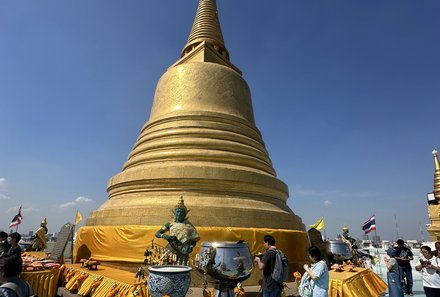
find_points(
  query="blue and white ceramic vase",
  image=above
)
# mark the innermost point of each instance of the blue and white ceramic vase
(169, 280)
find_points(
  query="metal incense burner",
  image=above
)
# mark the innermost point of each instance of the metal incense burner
(226, 264)
(339, 251)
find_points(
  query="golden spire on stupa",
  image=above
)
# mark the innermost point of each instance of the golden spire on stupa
(206, 28)
(434, 207)
(436, 175)
(200, 142)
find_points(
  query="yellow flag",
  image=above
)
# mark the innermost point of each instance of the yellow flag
(78, 218)
(320, 224)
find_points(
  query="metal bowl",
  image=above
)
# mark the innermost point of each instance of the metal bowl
(339, 250)
(226, 261)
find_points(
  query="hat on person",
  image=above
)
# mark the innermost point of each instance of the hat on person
(3, 234)
(391, 252)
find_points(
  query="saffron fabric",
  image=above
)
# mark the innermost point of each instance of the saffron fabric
(128, 243)
(44, 283)
(112, 279)
(362, 282)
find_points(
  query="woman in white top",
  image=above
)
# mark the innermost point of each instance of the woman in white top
(318, 273)
(429, 266)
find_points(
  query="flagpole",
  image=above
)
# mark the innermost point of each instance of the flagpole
(377, 249)
(71, 245)
(16, 221)
(367, 228)
(19, 212)
(422, 239)
(73, 233)
(397, 228)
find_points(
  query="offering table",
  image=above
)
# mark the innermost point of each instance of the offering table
(360, 282)
(43, 282)
(110, 279)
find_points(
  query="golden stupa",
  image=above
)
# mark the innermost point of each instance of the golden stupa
(434, 209)
(200, 142)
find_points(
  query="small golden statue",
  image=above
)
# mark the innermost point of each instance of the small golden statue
(346, 236)
(239, 291)
(39, 237)
(182, 237)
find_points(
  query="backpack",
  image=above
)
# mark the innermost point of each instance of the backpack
(305, 287)
(280, 271)
(16, 289)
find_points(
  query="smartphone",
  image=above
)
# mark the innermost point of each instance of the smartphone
(425, 262)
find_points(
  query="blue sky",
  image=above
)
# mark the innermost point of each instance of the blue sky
(345, 93)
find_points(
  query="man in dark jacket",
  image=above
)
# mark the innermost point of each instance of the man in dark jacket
(271, 288)
(14, 251)
(404, 256)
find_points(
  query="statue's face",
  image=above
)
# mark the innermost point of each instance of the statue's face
(180, 214)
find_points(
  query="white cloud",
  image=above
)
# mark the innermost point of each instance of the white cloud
(82, 199)
(4, 197)
(12, 209)
(68, 204)
(328, 202)
(79, 200)
(29, 209)
(2, 184)
(23, 210)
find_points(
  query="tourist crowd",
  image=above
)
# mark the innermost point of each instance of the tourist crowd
(11, 266)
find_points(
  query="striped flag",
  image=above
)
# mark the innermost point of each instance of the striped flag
(369, 225)
(17, 219)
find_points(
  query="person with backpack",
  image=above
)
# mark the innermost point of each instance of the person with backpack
(272, 287)
(13, 286)
(394, 285)
(318, 272)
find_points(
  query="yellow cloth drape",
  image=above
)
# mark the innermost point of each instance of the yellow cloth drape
(363, 282)
(128, 243)
(44, 283)
(125, 281)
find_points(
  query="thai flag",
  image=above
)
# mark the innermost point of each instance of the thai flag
(369, 225)
(17, 219)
